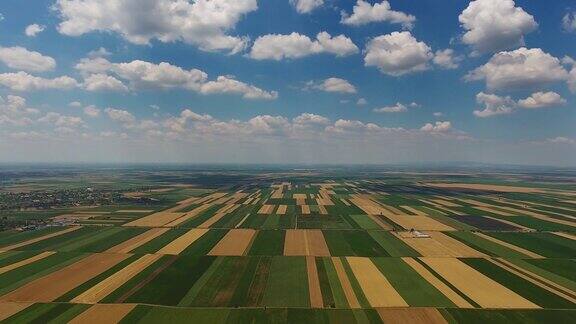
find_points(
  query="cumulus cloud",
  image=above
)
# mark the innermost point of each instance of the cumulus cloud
(120, 115)
(103, 82)
(100, 52)
(542, 100)
(447, 59)
(63, 121)
(364, 13)
(495, 25)
(33, 30)
(494, 105)
(569, 22)
(224, 84)
(306, 6)
(293, 46)
(333, 85)
(310, 119)
(14, 111)
(91, 111)
(397, 54)
(19, 58)
(437, 127)
(361, 102)
(562, 140)
(22, 81)
(520, 69)
(146, 75)
(397, 108)
(203, 23)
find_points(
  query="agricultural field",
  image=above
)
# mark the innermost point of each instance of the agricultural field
(296, 246)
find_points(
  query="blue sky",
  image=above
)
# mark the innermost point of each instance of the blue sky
(312, 81)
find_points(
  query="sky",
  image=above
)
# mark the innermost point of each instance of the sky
(288, 81)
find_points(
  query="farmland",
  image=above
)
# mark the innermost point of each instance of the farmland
(285, 245)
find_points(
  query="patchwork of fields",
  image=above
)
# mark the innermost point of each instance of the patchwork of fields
(315, 249)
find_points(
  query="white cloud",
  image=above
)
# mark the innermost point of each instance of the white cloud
(75, 104)
(145, 75)
(92, 111)
(103, 82)
(20, 58)
(397, 54)
(437, 127)
(63, 121)
(22, 81)
(494, 105)
(562, 140)
(33, 30)
(569, 22)
(495, 25)
(14, 111)
(119, 115)
(100, 52)
(225, 84)
(306, 6)
(292, 46)
(446, 59)
(520, 69)
(333, 85)
(364, 13)
(203, 23)
(398, 107)
(362, 102)
(310, 119)
(542, 100)
(438, 114)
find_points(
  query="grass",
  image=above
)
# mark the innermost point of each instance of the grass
(392, 245)
(545, 244)
(485, 246)
(172, 284)
(415, 290)
(287, 285)
(160, 241)
(268, 242)
(522, 287)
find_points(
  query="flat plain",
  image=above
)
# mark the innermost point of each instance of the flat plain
(299, 246)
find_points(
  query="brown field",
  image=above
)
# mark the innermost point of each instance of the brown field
(566, 235)
(26, 261)
(281, 210)
(314, 284)
(322, 210)
(189, 215)
(255, 201)
(324, 201)
(247, 201)
(380, 222)
(475, 186)
(156, 219)
(441, 207)
(305, 209)
(414, 211)
(221, 213)
(346, 202)
(493, 211)
(526, 212)
(458, 248)
(103, 314)
(535, 279)
(9, 309)
(108, 285)
(41, 238)
(378, 291)
(422, 223)
(483, 290)
(266, 209)
(56, 284)
(528, 253)
(305, 242)
(134, 211)
(182, 242)
(139, 240)
(445, 203)
(438, 284)
(235, 242)
(345, 282)
(411, 315)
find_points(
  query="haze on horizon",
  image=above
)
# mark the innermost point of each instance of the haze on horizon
(288, 81)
